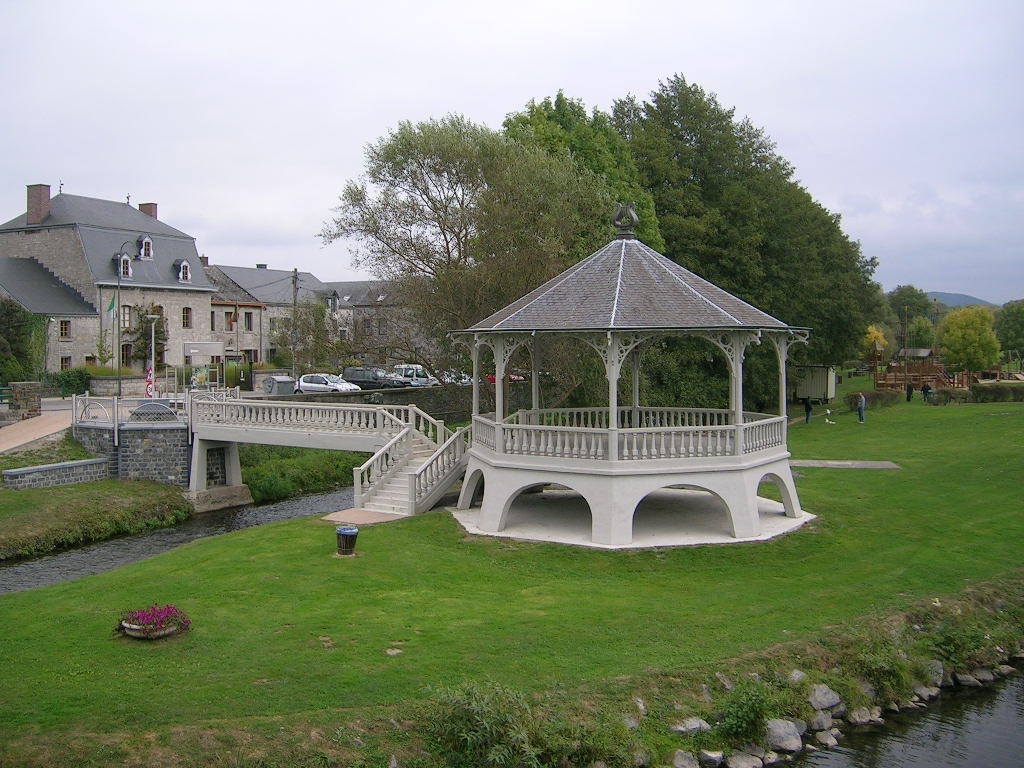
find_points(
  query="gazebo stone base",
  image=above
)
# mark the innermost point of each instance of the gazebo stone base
(614, 491)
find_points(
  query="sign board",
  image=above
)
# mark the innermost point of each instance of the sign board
(203, 349)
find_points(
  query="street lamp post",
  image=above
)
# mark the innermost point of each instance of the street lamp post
(151, 378)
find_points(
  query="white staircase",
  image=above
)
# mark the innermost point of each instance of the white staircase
(392, 492)
(414, 470)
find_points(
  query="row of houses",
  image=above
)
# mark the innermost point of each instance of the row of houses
(96, 269)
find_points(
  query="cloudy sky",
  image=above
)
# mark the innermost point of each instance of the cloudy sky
(243, 120)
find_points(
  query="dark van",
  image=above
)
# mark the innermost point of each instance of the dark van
(372, 378)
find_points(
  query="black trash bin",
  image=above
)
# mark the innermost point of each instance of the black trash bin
(347, 539)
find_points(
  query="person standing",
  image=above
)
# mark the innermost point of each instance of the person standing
(808, 410)
(910, 391)
(926, 390)
(862, 405)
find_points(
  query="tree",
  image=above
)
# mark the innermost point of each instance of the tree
(920, 333)
(874, 342)
(1009, 326)
(139, 334)
(968, 340)
(318, 342)
(562, 126)
(908, 302)
(465, 220)
(730, 211)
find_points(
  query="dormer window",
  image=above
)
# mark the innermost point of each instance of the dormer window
(124, 265)
(184, 271)
(146, 249)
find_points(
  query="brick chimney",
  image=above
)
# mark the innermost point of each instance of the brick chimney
(148, 208)
(261, 266)
(38, 203)
(204, 260)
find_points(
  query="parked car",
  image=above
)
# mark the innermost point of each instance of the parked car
(415, 375)
(512, 377)
(323, 382)
(453, 376)
(368, 377)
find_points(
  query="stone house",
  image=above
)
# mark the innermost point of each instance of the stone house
(281, 292)
(87, 263)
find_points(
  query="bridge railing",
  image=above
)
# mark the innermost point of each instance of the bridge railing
(447, 459)
(374, 472)
(298, 416)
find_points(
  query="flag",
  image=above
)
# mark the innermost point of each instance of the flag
(110, 307)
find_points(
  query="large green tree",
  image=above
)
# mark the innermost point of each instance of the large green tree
(1009, 326)
(563, 126)
(908, 302)
(729, 210)
(464, 220)
(968, 340)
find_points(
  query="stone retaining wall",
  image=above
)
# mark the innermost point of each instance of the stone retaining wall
(158, 452)
(52, 475)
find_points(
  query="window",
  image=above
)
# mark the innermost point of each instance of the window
(184, 273)
(213, 320)
(125, 266)
(126, 316)
(188, 359)
(368, 327)
(146, 249)
(186, 317)
(126, 353)
(65, 329)
(229, 320)
(248, 321)
(65, 363)
(382, 326)
(343, 334)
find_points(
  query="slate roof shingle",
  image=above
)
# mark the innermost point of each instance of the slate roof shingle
(627, 286)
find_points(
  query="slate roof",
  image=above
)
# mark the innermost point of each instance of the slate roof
(228, 291)
(104, 227)
(274, 286)
(363, 293)
(627, 286)
(38, 291)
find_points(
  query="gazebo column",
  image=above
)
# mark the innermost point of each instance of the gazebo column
(782, 343)
(475, 351)
(534, 347)
(734, 346)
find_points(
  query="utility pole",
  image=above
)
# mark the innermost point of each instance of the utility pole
(295, 317)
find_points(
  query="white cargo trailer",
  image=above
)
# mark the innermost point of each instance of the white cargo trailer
(817, 382)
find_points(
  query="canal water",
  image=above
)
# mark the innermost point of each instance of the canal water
(113, 553)
(971, 727)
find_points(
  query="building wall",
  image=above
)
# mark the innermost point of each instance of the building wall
(59, 250)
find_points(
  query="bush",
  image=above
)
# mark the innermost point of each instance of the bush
(947, 395)
(998, 392)
(482, 724)
(877, 398)
(745, 712)
(74, 381)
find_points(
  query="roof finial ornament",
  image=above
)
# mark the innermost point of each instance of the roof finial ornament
(625, 219)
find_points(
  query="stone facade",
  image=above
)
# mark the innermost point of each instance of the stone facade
(157, 452)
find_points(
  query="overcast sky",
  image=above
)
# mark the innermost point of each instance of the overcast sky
(243, 120)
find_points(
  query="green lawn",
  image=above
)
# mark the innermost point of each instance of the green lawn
(283, 629)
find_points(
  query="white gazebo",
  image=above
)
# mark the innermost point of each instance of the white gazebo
(615, 455)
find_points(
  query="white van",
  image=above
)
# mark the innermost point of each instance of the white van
(415, 375)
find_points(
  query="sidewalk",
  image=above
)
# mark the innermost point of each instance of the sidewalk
(21, 433)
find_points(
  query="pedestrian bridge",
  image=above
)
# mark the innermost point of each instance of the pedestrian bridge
(415, 457)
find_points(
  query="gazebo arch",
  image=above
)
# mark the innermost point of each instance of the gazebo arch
(616, 300)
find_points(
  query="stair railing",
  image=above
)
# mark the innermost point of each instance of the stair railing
(370, 476)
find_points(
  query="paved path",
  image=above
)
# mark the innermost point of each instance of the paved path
(27, 431)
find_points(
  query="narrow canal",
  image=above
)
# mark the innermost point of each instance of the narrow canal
(113, 553)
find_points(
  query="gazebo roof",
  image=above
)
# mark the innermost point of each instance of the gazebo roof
(626, 286)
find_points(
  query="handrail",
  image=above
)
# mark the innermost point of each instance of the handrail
(376, 467)
(440, 466)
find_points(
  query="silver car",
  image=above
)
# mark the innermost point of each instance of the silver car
(323, 382)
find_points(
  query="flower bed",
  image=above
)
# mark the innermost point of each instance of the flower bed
(154, 622)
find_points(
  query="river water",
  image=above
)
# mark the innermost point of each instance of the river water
(106, 555)
(970, 727)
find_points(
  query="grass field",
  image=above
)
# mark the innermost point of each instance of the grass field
(289, 639)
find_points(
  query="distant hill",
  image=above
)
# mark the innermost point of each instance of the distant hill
(959, 299)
